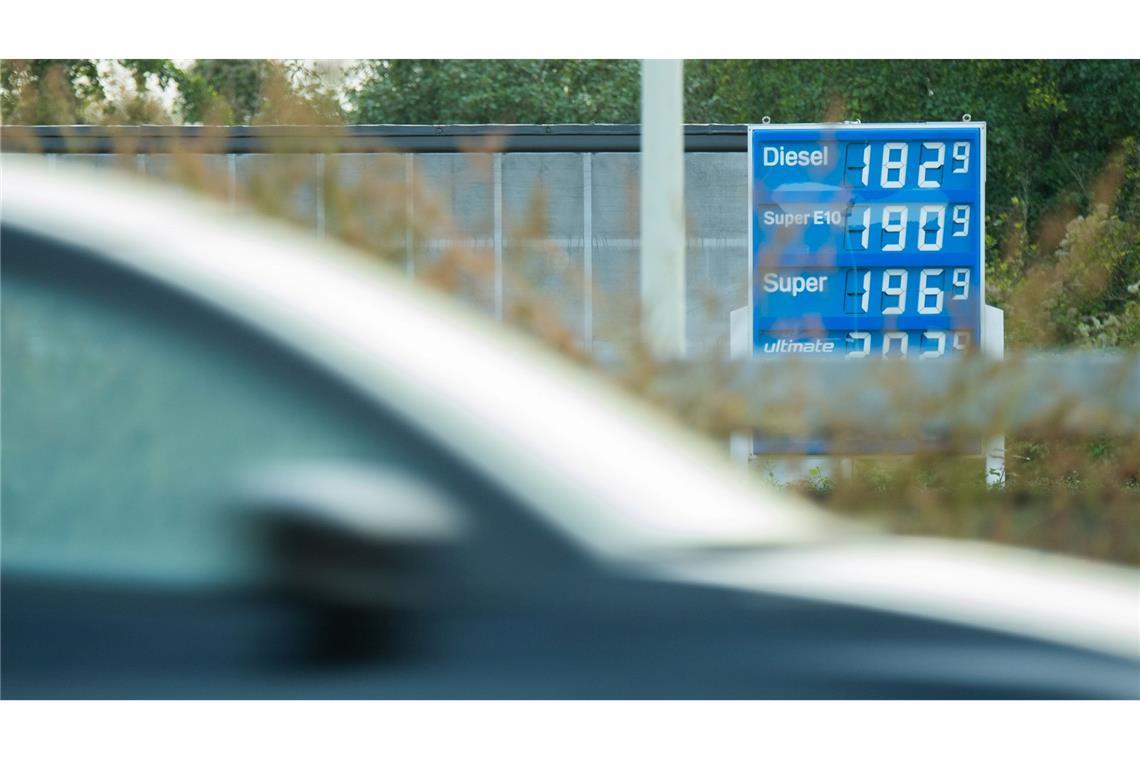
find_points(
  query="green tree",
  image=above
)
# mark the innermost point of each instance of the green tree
(43, 91)
(225, 91)
(496, 91)
(252, 91)
(82, 91)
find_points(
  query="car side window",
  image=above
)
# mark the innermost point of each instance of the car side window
(132, 413)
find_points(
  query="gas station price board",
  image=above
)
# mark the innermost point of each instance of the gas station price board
(867, 240)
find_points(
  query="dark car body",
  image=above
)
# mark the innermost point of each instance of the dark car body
(239, 464)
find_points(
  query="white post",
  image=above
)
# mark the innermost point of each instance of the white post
(993, 346)
(662, 208)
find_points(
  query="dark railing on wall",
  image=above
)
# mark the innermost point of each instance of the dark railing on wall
(369, 138)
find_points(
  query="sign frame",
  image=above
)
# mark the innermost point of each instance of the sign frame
(980, 126)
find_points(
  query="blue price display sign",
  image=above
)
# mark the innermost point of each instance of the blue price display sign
(867, 240)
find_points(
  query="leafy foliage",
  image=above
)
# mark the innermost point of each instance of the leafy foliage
(209, 91)
(497, 91)
(222, 91)
(247, 91)
(49, 91)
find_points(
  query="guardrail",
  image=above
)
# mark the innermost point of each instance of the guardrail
(1071, 393)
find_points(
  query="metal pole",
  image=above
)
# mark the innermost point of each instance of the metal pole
(498, 233)
(588, 251)
(662, 208)
(409, 215)
(320, 195)
(231, 178)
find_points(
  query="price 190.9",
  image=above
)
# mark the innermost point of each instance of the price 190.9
(893, 220)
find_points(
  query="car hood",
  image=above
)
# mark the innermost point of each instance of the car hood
(1069, 601)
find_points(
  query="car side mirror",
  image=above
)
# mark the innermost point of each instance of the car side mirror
(354, 548)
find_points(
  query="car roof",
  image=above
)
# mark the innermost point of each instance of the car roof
(618, 476)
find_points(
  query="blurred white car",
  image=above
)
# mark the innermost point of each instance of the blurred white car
(234, 453)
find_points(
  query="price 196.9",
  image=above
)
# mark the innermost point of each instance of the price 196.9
(891, 288)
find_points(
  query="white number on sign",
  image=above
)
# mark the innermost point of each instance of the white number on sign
(894, 291)
(893, 164)
(938, 338)
(857, 163)
(926, 291)
(960, 282)
(891, 337)
(961, 341)
(961, 156)
(858, 227)
(961, 220)
(930, 222)
(930, 171)
(894, 223)
(864, 342)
